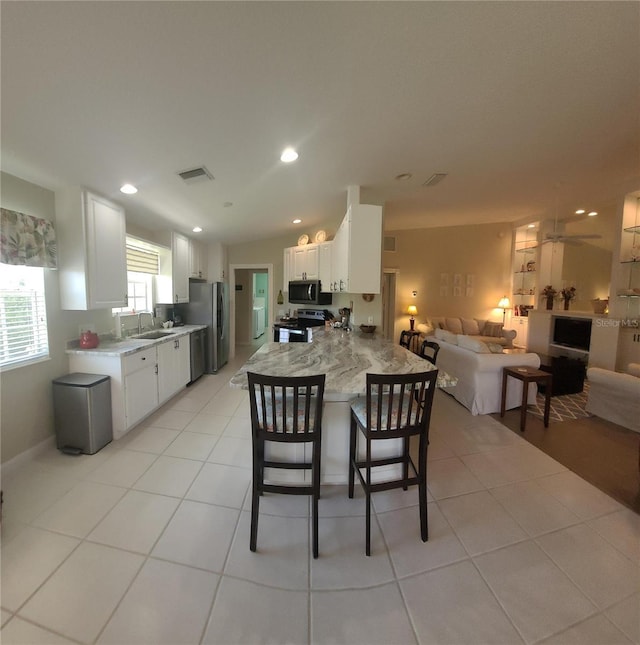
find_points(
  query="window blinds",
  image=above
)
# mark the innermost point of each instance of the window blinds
(142, 260)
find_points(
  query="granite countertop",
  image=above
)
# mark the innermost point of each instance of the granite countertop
(345, 357)
(111, 346)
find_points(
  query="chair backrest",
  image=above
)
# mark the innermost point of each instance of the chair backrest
(429, 350)
(286, 408)
(399, 404)
(405, 339)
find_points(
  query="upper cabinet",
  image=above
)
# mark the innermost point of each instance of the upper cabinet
(172, 285)
(197, 260)
(305, 262)
(357, 251)
(91, 235)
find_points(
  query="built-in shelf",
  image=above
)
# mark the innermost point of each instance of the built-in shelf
(633, 229)
(527, 249)
(630, 261)
(519, 272)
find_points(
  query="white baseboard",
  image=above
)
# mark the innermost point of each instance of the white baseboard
(9, 468)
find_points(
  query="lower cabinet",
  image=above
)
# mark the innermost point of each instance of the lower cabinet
(174, 370)
(142, 381)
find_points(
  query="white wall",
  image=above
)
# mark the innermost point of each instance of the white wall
(26, 402)
(422, 255)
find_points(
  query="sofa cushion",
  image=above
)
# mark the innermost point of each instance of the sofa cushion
(437, 322)
(493, 329)
(470, 327)
(472, 344)
(453, 325)
(446, 336)
(425, 329)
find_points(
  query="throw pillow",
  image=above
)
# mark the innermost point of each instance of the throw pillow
(493, 329)
(470, 327)
(481, 323)
(454, 325)
(425, 329)
(436, 323)
(446, 336)
(495, 348)
(472, 344)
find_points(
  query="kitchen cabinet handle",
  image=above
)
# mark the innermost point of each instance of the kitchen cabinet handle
(144, 358)
(156, 368)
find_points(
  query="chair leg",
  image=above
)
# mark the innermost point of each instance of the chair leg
(368, 499)
(422, 489)
(258, 456)
(316, 496)
(352, 454)
(405, 463)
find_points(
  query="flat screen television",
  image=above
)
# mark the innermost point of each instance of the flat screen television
(572, 332)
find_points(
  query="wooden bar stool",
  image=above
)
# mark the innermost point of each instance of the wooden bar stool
(527, 375)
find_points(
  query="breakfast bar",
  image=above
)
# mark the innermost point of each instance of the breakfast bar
(345, 358)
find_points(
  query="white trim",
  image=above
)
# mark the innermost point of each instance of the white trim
(232, 298)
(10, 467)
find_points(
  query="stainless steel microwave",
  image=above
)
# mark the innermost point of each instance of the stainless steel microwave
(307, 292)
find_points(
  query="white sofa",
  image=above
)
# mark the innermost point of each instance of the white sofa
(480, 329)
(479, 374)
(615, 396)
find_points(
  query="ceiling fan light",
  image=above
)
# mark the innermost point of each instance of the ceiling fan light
(592, 214)
(580, 211)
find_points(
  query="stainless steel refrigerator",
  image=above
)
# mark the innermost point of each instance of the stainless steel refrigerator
(209, 305)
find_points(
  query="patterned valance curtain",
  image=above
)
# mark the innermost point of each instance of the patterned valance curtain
(27, 240)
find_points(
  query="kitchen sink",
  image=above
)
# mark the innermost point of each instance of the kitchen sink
(153, 335)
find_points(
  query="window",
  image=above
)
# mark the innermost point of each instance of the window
(23, 315)
(142, 265)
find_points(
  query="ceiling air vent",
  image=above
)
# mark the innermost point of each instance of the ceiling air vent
(436, 178)
(195, 175)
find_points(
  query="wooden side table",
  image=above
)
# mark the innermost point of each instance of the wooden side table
(527, 375)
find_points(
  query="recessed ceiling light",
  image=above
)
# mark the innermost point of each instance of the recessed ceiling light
(405, 176)
(531, 226)
(197, 229)
(580, 211)
(297, 221)
(592, 214)
(288, 155)
(128, 189)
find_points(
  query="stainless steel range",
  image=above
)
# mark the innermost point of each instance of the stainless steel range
(296, 330)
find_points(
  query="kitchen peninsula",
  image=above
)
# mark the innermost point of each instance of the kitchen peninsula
(345, 358)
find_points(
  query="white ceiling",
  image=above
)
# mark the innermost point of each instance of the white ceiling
(509, 98)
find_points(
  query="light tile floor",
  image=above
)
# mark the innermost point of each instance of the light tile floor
(148, 542)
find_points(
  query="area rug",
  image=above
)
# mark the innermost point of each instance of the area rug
(563, 407)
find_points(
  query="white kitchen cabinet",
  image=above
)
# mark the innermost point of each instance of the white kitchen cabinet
(357, 251)
(172, 284)
(92, 261)
(305, 262)
(287, 268)
(140, 385)
(324, 265)
(197, 260)
(173, 366)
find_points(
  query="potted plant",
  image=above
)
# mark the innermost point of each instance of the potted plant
(549, 293)
(568, 294)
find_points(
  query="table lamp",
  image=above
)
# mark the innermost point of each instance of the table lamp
(504, 304)
(412, 310)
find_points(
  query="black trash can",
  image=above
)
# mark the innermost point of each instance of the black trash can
(82, 406)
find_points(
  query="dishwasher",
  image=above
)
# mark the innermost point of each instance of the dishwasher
(198, 340)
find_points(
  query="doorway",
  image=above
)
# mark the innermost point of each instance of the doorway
(249, 283)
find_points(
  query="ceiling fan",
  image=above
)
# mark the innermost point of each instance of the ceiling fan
(557, 236)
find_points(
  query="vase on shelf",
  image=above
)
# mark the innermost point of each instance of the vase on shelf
(549, 302)
(566, 304)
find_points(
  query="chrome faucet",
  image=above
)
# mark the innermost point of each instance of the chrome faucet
(141, 326)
